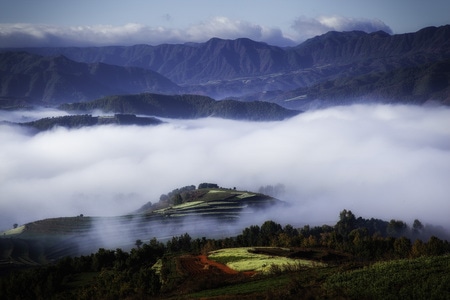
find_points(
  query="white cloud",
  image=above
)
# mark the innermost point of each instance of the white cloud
(379, 161)
(32, 35)
(305, 27)
(35, 35)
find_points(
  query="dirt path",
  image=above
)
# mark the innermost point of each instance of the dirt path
(224, 268)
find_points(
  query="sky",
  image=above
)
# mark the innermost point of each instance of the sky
(26, 23)
(381, 161)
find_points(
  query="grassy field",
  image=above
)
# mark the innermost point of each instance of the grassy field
(242, 259)
(252, 287)
(420, 278)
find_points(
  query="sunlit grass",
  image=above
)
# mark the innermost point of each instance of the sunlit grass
(245, 195)
(14, 230)
(241, 260)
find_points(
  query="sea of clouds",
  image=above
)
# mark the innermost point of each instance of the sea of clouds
(382, 161)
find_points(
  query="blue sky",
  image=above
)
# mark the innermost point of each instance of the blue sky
(281, 22)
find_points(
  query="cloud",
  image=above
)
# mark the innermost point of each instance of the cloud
(305, 27)
(40, 35)
(387, 162)
(32, 35)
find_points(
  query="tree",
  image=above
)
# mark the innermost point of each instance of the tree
(417, 227)
(346, 223)
(251, 236)
(418, 248)
(402, 247)
(138, 243)
(396, 228)
(435, 246)
(207, 185)
(15, 225)
(269, 232)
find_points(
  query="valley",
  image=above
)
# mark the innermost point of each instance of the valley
(94, 139)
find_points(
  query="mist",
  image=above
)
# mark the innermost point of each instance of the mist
(381, 161)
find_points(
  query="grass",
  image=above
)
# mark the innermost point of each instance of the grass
(241, 260)
(14, 230)
(158, 266)
(256, 286)
(245, 195)
(181, 206)
(421, 278)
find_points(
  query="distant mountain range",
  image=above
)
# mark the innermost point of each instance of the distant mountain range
(330, 69)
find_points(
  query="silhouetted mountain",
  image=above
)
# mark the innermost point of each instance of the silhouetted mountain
(31, 78)
(183, 106)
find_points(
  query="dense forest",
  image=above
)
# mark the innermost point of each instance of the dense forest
(354, 252)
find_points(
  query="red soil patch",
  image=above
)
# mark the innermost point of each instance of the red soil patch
(207, 262)
(224, 268)
(199, 273)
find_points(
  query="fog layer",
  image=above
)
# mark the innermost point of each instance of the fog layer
(378, 161)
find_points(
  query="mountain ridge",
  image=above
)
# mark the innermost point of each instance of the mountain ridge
(222, 68)
(57, 79)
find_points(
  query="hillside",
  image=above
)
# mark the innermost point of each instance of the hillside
(345, 261)
(184, 107)
(188, 207)
(242, 67)
(51, 80)
(413, 85)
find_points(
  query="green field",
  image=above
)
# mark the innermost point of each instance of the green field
(244, 259)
